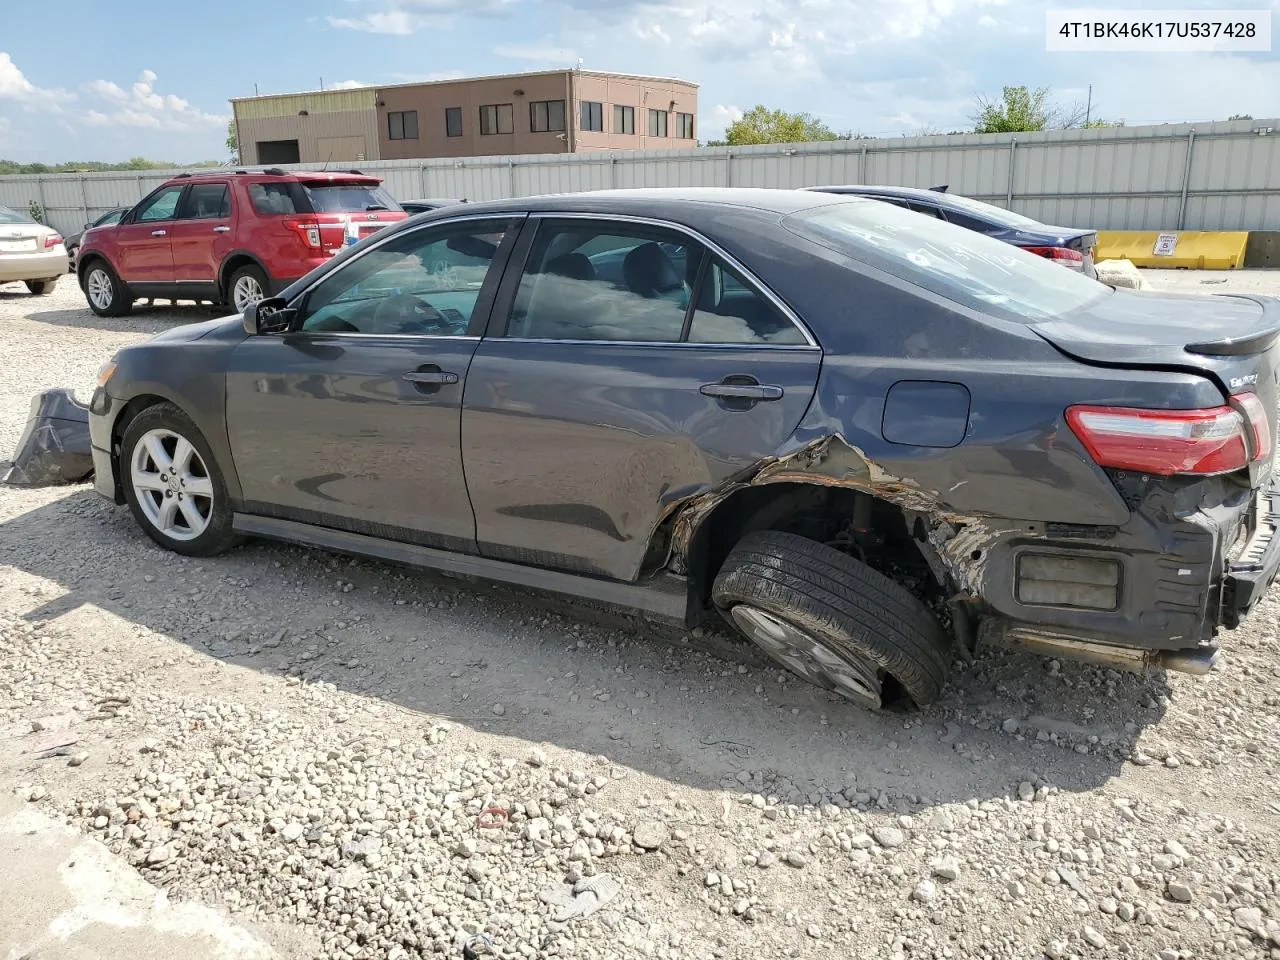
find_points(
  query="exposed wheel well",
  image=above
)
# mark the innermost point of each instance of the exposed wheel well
(83, 265)
(127, 415)
(878, 532)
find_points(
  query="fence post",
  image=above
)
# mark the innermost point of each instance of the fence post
(862, 164)
(613, 172)
(511, 170)
(84, 199)
(44, 207)
(728, 169)
(422, 179)
(1013, 146)
(1186, 180)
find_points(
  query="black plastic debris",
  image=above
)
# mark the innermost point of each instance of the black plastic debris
(55, 444)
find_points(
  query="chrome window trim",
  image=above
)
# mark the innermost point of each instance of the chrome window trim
(802, 347)
(753, 282)
(379, 336)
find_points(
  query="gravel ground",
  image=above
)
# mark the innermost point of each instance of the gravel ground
(312, 742)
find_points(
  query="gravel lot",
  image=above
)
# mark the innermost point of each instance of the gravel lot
(309, 742)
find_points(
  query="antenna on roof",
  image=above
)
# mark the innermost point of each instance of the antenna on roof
(325, 168)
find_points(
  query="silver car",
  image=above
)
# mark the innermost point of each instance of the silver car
(30, 252)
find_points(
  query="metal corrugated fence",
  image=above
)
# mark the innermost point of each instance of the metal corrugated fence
(1211, 176)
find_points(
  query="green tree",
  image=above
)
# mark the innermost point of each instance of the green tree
(233, 139)
(1240, 116)
(762, 125)
(1019, 110)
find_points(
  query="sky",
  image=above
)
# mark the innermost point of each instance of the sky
(91, 80)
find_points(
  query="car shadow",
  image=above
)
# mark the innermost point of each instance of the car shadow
(699, 709)
(145, 318)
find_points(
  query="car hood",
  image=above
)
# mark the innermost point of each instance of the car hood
(191, 332)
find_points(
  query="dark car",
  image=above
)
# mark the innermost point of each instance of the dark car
(422, 206)
(73, 241)
(1063, 245)
(834, 422)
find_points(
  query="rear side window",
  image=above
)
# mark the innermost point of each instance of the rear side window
(728, 310)
(206, 201)
(272, 198)
(348, 197)
(963, 266)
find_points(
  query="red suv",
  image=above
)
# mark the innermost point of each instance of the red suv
(232, 237)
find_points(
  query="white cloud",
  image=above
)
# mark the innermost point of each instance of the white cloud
(142, 107)
(540, 53)
(349, 85)
(14, 85)
(396, 22)
(403, 17)
(428, 77)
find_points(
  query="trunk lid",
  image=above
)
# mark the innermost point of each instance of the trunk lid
(21, 238)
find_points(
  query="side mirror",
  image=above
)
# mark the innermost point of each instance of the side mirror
(267, 317)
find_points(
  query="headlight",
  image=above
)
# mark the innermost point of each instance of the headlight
(105, 371)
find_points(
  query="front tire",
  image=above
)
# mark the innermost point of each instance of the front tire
(42, 288)
(832, 620)
(247, 285)
(107, 295)
(172, 483)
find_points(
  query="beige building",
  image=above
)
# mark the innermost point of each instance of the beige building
(558, 111)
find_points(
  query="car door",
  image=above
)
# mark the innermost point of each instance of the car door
(351, 419)
(201, 233)
(143, 242)
(616, 385)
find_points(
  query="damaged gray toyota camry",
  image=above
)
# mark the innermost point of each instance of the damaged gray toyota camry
(867, 439)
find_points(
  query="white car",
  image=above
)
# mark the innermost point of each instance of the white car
(30, 252)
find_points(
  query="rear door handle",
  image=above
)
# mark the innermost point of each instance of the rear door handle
(221, 229)
(741, 391)
(159, 233)
(430, 377)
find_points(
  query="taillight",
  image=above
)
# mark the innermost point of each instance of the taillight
(52, 240)
(308, 229)
(1163, 442)
(1068, 257)
(1256, 412)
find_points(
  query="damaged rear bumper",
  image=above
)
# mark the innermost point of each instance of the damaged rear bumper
(55, 446)
(1255, 569)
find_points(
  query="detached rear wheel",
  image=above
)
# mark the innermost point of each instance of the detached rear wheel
(832, 620)
(173, 485)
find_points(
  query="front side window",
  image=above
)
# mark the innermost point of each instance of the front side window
(546, 116)
(970, 269)
(426, 282)
(592, 118)
(159, 206)
(657, 123)
(624, 119)
(496, 118)
(453, 121)
(684, 126)
(206, 201)
(402, 125)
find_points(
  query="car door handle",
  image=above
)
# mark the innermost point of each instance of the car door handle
(430, 377)
(159, 233)
(741, 391)
(221, 229)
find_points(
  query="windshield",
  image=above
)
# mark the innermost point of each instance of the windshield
(13, 216)
(988, 211)
(965, 267)
(348, 197)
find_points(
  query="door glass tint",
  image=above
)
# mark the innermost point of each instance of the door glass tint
(206, 201)
(730, 311)
(926, 210)
(604, 282)
(426, 282)
(160, 207)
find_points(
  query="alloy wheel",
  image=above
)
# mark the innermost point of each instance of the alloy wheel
(100, 288)
(172, 484)
(246, 291)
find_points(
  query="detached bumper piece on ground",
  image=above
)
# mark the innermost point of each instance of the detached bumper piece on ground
(54, 447)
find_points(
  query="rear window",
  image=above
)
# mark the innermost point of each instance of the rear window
(13, 216)
(348, 197)
(991, 213)
(966, 267)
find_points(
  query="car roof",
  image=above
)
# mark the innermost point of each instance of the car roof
(274, 175)
(872, 190)
(662, 202)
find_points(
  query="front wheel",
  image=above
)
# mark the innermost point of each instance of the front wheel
(42, 288)
(832, 620)
(107, 296)
(172, 483)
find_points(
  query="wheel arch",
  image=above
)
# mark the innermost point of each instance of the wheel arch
(86, 259)
(233, 262)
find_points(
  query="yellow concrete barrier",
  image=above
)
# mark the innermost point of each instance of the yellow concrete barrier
(1190, 249)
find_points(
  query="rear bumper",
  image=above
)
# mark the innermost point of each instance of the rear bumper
(55, 445)
(1255, 569)
(35, 266)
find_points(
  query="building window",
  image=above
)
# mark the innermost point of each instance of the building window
(546, 116)
(402, 125)
(684, 126)
(453, 121)
(496, 118)
(657, 123)
(624, 119)
(592, 116)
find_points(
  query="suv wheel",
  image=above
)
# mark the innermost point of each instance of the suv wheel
(107, 296)
(832, 620)
(42, 288)
(248, 285)
(172, 483)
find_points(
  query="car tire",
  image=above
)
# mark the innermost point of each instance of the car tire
(165, 462)
(42, 288)
(242, 282)
(832, 620)
(107, 295)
